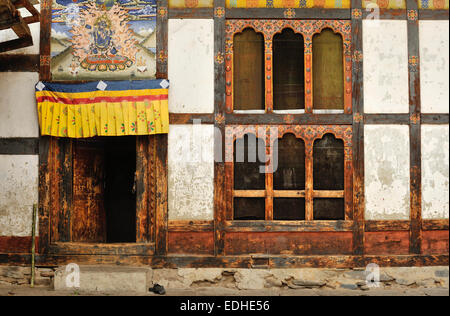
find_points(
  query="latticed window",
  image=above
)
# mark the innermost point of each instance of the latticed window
(288, 172)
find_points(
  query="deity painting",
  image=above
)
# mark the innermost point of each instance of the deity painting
(103, 39)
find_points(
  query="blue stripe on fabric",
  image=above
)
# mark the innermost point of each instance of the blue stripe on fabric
(111, 86)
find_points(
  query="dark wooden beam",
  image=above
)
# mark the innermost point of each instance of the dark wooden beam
(44, 193)
(90, 249)
(384, 226)
(161, 39)
(358, 128)
(386, 119)
(188, 118)
(16, 44)
(183, 261)
(44, 49)
(385, 14)
(191, 226)
(220, 201)
(19, 63)
(19, 146)
(434, 118)
(65, 186)
(191, 13)
(433, 14)
(161, 213)
(414, 127)
(435, 224)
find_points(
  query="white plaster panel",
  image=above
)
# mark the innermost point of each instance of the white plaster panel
(386, 153)
(191, 172)
(18, 193)
(435, 172)
(18, 113)
(385, 55)
(191, 65)
(434, 69)
(8, 34)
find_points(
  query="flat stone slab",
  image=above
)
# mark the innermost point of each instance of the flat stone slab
(103, 279)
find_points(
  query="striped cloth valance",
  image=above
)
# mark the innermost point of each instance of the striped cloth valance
(105, 108)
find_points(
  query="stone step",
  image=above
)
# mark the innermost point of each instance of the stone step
(102, 279)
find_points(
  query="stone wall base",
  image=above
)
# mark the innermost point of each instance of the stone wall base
(115, 278)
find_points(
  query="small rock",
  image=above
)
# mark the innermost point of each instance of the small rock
(349, 286)
(386, 278)
(308, 283)
(361, 283)
(405, 282)
(365, 288)
(441, 273)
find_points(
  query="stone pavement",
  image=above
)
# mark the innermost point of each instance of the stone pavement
(46, 291)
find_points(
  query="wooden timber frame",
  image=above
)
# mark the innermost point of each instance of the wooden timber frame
(413, 242)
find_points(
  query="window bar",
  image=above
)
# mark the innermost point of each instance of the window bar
(229, 72)
(347, 79)
(309, 192)
(268, 62)
(348, 183)
(269, 177)
(308, 74)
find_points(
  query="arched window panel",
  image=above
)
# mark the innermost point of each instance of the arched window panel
(290, 174)
(328, 71)
(289, 209)
(248, 70)
(329, 209)
(249, 209)
(249, 162)
(328, 163)
(288, 71)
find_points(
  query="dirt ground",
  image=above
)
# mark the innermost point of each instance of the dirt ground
(43, 291)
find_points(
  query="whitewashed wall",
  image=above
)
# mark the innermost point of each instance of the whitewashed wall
(435, 172)
(191, 65)
(18, 193)
(18, 113)
(18, 118)
(18, 174)
(385, 55)
(387, 185)
(191, 172)
(434, 69)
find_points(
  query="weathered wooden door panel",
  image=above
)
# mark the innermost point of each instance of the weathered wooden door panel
(88, 216)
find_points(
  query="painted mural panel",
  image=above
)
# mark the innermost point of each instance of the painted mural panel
(288, 3)
(434, 4)
(103, 39)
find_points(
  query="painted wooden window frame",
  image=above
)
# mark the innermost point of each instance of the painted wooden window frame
(307, 28)
(308, 133)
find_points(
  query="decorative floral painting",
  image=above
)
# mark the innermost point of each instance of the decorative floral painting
(103, 39)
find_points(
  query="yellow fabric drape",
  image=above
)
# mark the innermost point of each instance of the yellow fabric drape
(103, 113)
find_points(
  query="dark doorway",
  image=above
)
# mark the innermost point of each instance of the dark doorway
(104, 193)
(120, 190)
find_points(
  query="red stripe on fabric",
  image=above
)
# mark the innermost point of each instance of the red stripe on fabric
(103, 99)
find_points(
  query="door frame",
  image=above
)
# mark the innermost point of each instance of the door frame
(56, 199)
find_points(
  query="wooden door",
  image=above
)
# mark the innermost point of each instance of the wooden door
(88, 217)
